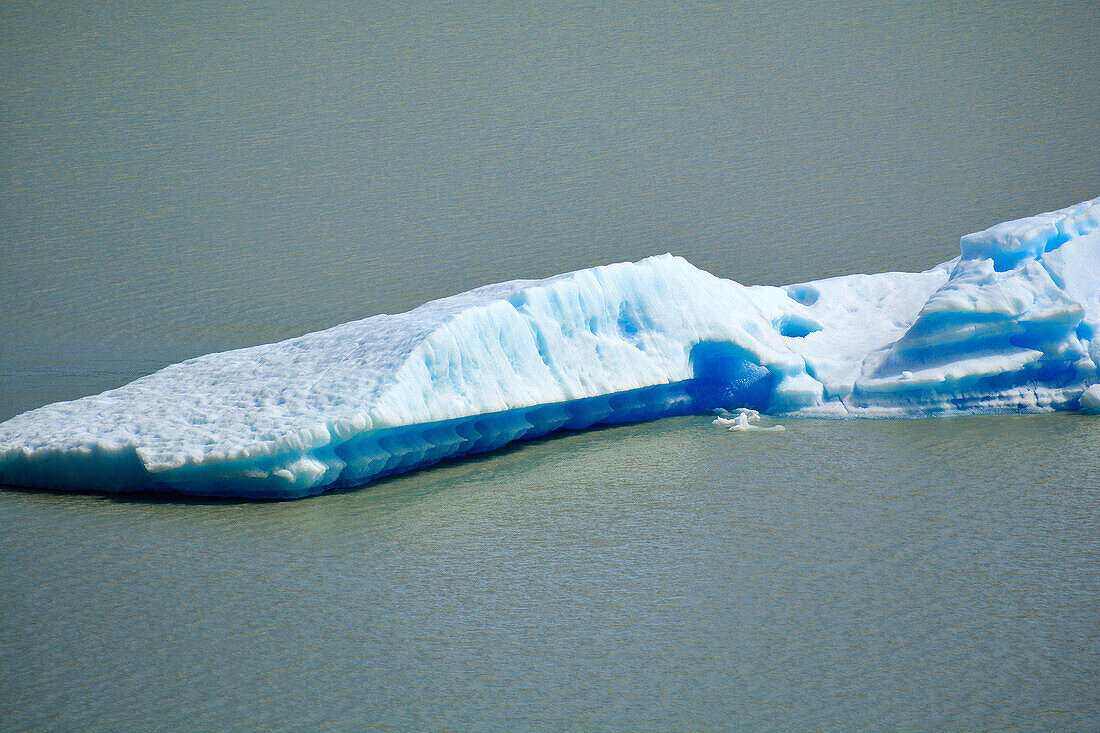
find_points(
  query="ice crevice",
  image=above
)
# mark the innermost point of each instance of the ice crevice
(1008, 326)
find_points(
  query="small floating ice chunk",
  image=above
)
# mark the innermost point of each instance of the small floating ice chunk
(733, 417)
(744, 420)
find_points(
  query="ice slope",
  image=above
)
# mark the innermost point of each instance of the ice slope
(1007, 326)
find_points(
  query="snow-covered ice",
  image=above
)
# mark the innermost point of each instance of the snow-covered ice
(1008, 326)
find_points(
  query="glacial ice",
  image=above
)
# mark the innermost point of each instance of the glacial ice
(1008, 326)
(1090, 400)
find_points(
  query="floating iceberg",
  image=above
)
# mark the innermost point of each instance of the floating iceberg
(1008, 326)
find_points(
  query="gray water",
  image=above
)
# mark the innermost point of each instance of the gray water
(178, 179)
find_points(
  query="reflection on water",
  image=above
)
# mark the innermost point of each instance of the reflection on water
(908, 574)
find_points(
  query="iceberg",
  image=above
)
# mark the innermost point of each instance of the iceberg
(1008, 326)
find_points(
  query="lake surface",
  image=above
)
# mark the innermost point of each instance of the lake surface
(177, 180)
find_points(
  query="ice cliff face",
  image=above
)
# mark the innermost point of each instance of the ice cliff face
(1008, 326)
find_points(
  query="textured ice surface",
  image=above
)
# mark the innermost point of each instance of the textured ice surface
(1090, 400)
(1006, 327)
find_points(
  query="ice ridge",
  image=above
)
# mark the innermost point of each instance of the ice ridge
(1008, 326)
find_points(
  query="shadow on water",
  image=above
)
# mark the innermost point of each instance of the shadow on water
(135, 497)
